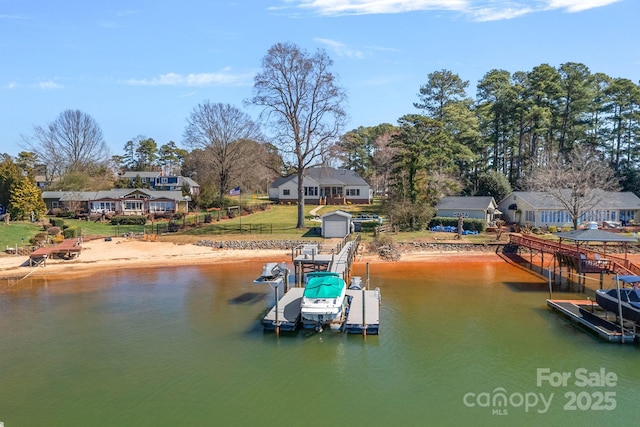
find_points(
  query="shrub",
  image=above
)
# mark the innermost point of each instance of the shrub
(66, 214)
(472, 224)
(71, 232)
(38, 239)
(553, 229)
(57, 222)
(129, 220)
(173, 227)
(54, 231)
(208, 218)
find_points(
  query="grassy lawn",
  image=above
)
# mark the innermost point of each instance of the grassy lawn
(17, 233)
(276, 223)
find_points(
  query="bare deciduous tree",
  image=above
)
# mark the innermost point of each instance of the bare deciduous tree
(71, 143)
(578, 183)
(219, 129)
(303, 105)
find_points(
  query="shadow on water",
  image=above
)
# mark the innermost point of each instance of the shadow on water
(247, 298)
(527, 286)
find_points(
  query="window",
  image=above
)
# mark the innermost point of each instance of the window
(310, 191)
(286, 192)
(353, 191)
(161, 207)
(133, 205)
(530, 216)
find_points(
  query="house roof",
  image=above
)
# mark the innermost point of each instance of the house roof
(594, 235)
(116, 193)
(141, 174)
(325, 175)
(611, 200)
(467, 203)
(188, 180)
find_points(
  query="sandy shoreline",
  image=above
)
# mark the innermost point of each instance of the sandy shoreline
(99, 255)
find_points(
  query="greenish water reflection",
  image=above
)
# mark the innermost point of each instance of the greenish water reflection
(184, 346)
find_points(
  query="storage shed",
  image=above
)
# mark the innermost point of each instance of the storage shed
(336, 224)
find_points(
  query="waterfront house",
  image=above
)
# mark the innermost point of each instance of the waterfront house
(160, 182)
(322, 186)
(119, 201)
(539, 209)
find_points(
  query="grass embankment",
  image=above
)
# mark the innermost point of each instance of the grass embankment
(278, 222)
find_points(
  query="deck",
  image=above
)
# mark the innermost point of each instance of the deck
(582, 260)
(67, 249)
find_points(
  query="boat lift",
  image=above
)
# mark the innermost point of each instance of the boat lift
(362, 315)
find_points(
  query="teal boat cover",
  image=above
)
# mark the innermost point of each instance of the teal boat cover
(323, 285)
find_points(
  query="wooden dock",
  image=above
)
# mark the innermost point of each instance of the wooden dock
(67, 249)
(589, 315)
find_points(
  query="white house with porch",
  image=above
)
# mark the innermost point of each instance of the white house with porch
(539, 209)
(119, 201)
(323, 186)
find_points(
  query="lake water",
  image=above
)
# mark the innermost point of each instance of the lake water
(461, 343)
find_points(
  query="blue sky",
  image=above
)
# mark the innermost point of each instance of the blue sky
(139, 67)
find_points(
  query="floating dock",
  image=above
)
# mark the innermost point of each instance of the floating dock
(364, 312)
(285, 315)
(363, 315)
(363, 308)
(588, 314)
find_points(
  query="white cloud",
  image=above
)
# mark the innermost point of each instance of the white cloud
(49, 84)
(478, 10)
(486, 14)
(222, 78)
(340, 49)
(578, 5)
(364, 7)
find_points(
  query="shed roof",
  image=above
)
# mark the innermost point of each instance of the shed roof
(467, 202)
(336, 213)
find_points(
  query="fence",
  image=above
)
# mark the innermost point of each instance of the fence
(223, 228)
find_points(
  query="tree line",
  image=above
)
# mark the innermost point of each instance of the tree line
(517, 125)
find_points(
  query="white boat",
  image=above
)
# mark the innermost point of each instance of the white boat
(323, 301)
(272, 274)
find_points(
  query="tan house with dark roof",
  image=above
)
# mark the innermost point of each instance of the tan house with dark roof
(119, 201)
(539, 209)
